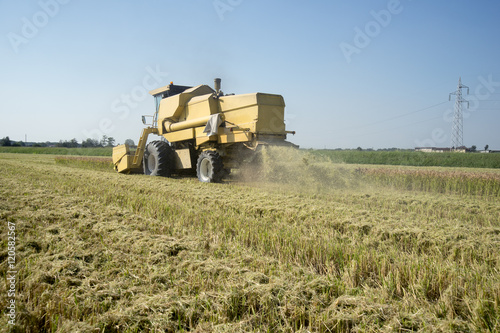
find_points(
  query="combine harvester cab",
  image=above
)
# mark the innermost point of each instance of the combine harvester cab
(205, 131)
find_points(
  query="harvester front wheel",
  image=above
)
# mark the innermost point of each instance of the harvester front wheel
(158, 159)
(209, 167)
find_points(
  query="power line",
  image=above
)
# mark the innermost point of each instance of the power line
(406, 114)
(394, 128)
(414, 123)
(399, 116)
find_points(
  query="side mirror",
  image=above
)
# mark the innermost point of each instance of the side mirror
(144, 120)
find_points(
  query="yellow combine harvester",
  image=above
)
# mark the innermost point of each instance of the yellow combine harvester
(205, 131)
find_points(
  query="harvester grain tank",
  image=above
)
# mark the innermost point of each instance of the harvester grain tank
(203, 130)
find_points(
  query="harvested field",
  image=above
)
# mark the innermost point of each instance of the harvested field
(300, 244)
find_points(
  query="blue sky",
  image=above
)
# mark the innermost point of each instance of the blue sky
(373, 74)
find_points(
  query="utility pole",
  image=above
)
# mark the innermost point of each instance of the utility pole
(457, 129)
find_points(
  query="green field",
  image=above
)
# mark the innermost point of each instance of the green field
(107, 151)
(470, 160)
(409, 158)
(299, 244)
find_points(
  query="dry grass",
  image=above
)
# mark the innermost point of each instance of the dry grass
(311, 249)
(442, 181)
(94, 163)
(306, 171)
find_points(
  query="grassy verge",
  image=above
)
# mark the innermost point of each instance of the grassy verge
(469, 160)
(58, 151)
(109, 252)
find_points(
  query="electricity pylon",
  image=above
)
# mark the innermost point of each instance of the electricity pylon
(457, 129)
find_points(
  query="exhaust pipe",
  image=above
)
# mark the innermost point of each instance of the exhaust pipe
(217, 85)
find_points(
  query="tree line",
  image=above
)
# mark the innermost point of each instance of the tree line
(106, 141)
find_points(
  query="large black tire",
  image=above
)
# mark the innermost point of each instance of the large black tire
(209, 167)
(158, 159)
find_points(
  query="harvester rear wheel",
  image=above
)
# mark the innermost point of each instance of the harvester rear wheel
(209, 167)
(158, 159)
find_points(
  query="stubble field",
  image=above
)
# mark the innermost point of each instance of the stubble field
(302, 244)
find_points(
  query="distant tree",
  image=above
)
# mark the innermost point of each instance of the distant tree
(104, 141)
(130, 142)
(5, 142)
(486, 147)
(90, 143)
(359, 148)
(17, 144)
(40, 144)
(67, 144)
(110, 142)
(473, 148)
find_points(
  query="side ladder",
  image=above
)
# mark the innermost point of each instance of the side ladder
(141, 146)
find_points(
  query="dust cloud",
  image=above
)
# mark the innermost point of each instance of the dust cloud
(298, 169)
